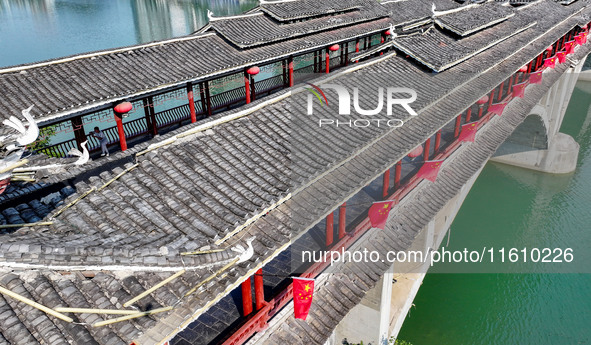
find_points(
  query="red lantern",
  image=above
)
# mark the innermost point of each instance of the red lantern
(334, 47)
(483, 100)
(523, 69)
(123, 108)
(416, 152)
(388, 32)
(253, 70)
(549, 49)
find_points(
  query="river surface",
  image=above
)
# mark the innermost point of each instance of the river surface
(523, 208)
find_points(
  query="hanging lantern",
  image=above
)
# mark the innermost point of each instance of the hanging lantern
(549, 49)
(334, 47)
(416, 152)
(253, 70)
(523, 69)
(388, 32)
(482, 101)
(123, 108)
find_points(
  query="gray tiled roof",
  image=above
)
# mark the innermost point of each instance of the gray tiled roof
(476, 18)
(187, 195)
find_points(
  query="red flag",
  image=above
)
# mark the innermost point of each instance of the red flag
(429, 170)
(536, 78)
(561, 56)
(569, 47)
(584, 34)
(378, 213)
(303, 291)
(550, 62)
(497, 108)
(519, 89)
(579, 39)
(468, 132)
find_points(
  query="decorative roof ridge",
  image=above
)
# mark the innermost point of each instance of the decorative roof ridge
(212, 18)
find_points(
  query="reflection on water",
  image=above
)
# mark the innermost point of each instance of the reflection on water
(35, 30)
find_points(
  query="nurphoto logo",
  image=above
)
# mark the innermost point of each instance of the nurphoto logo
(390, 97)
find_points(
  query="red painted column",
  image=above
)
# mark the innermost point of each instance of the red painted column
(492, 96)
(246, 297)
(291, 81)
(191, 102)
(247, 87)
(259, 291)
(357, 46)
(342, 220)
(397, 173)
(329, 229)
(327, 61)
(510, 83)
(386, 183)
(468, 115)
(437, 141)
(480, 109)
(501, 91)
(427, 149)
(457, 127)
(120, 131)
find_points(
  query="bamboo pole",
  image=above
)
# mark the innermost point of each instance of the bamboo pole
(152, 289)
(96, 311)
(200, 252)
(35, 305)
(8, 226)
(129, 317)
(228, 265)
(14, 166)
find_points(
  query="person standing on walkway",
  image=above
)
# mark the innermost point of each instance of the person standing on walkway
(102, 138)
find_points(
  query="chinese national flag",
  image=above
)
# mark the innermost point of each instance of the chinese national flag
(378, 213)
(550, 62)
(468, 132)
(497, 108)
(536, 78)
(429, 170)
(569, 47)
(580, 39)
(561, 56)
(303, 291)
(519, 89)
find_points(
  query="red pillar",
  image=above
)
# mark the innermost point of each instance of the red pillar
(397, 172)
(247, 87)
(386, 184)
(427, 149)
(501, 91)
(457, 128)
(510, 83)
(468, 115)
(329, 229)
(291, 81)
(480, 109)
(246, 297)
(437, 141)
(492, 96)
(357, 46)
(342, 220)
(191, 102)
(327, 61)
(259, 291)
(120, 131)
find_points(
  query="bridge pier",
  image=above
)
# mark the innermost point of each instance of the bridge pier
(537, 143)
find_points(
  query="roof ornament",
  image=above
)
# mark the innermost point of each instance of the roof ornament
(83, 156)
(392, 33)
(210, 15)
(26, 134)
(244, 254)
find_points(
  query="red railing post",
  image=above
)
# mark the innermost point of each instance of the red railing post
(191, 102)
(427, 149)
(246, 297)
(259, 291)
(500, 96)
(397, 173)
(386, 183)
(329, 229)
(437, 141)
(120, 131)
(492, 96)
(327, 61)
(342, 220)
